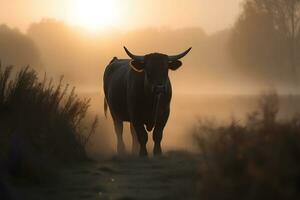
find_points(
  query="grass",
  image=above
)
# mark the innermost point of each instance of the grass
(259, 159)
(40, 124)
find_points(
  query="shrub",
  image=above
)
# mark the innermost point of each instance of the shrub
(40, 123)
(257, 160)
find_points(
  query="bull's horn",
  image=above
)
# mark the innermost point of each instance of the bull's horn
(179, 56)
(134, 57)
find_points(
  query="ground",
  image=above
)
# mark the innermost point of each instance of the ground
(169, 177)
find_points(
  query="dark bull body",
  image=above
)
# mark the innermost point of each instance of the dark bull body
(139, 91)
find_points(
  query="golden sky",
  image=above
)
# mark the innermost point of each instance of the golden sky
(212, 15)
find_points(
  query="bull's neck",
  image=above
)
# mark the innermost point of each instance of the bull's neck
(148, 93)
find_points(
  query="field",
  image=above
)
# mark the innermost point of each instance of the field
(244, 145)
(210, 141)
(188, 109)
(234, 126)
(169, 177)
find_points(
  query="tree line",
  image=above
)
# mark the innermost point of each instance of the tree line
(266, 37)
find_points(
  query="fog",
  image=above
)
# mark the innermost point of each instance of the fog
(130, 14)
(18, 49)
(217, 80)
(81, 56)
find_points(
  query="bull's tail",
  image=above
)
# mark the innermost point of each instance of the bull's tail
(105, 108)
(113, 60)
(105, 102)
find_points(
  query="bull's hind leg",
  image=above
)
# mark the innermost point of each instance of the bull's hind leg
(119, 132)
(135, 144)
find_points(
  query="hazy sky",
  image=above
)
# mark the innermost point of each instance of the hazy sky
(212, 15)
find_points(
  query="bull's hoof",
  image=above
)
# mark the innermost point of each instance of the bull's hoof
(135, 149)
(157, 151)
(143, 153)
(121, 150)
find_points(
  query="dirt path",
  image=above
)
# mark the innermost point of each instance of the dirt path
(168, 177)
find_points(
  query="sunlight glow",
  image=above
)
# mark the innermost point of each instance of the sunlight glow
(94, 14)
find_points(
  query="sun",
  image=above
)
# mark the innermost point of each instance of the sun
(94, 14)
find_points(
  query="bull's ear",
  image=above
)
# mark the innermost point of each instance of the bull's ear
(174, 65)
(137, 65)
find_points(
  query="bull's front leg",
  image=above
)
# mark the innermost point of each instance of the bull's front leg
(157, 137)
(142, 136)
(158, 132)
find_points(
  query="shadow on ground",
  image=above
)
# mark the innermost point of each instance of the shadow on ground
(172, 176)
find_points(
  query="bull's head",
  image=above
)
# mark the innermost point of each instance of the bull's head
(156, 67)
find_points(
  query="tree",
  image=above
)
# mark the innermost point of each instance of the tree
(266, 36)
(286, 19)
(18, 49)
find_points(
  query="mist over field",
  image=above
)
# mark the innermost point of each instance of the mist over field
(208, 85)
(80, 56)
(234, 122)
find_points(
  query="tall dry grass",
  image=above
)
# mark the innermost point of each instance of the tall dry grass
(256, 160)
(41, 124)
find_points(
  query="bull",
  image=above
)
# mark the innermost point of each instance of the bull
(138, 90)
